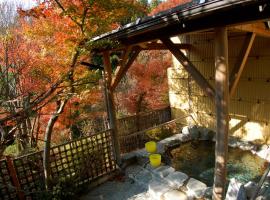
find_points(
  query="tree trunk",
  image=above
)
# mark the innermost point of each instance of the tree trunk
(47, 141)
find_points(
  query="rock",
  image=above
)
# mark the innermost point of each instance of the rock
(250, 188)
(176, 179)
(236, 191)
(196, 188)
(185, 138)
(163, 171)
(245, 146)
(191, 130)
(265, 190)
(175, 195)
(156, 189)
(204, 133)
(261, 198)
(161, 147)
(185, 130)
(208, 193)
(233, 142)
(264, 153)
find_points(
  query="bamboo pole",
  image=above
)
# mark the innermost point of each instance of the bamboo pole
(222, 101)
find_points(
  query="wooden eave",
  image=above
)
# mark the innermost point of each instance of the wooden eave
(190, 18)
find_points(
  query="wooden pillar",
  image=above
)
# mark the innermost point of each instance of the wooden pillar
(14, 178)
(110, 106)
(222, 101)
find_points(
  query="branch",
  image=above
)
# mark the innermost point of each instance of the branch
(64, 10)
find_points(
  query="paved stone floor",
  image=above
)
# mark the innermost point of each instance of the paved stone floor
(126, 189)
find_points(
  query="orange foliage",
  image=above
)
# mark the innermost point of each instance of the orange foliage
(49, 36)
(148, 87)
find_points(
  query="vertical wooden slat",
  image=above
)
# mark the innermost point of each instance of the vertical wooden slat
(222, 101)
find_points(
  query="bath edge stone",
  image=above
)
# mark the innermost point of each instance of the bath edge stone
(176, 179)
(175, 195)
(196, 187)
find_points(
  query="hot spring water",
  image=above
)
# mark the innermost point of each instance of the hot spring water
(197, 159)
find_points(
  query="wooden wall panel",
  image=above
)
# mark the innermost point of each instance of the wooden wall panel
(252, 96)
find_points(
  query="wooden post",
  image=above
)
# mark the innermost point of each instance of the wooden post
(110, 106)
(222, 101)
(14, 178)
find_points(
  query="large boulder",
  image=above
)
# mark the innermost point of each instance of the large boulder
(236, 191)
(192, 131)
(196, 188)
(250, 188)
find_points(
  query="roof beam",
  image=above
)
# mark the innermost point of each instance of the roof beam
(160, 46)
(190, 68)
(124, 66)
(240, 64)
(258, 28)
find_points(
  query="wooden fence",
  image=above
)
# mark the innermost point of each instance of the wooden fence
(131, 135)
(79, 161)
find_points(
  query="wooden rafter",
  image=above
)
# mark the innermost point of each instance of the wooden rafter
(190, 68)
(258, 28)
(124, 67)
(240, 64)
(160, 46)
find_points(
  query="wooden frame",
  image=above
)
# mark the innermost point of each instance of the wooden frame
(125, 65)
(240, 64)
(190, 68)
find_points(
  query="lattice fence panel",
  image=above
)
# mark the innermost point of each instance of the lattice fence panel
(7, 189)
(79, 161)
(85, 159)
(29, 170)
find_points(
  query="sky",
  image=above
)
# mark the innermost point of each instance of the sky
(25, 3)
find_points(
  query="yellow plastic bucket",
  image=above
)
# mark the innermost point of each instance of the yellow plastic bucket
(151, 147)
(155, 160)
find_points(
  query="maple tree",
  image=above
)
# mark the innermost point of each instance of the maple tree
(146, 80)
(53, 39)
(145, 86)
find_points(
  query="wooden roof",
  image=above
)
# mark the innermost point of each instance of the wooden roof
(191, 17)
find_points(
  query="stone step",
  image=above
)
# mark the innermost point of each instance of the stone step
(163, 171)
(157, 189)
(176, 179)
